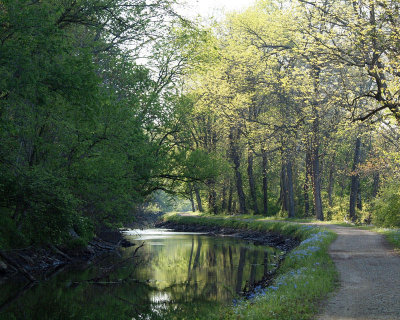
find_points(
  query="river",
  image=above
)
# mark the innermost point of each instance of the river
(173, 275)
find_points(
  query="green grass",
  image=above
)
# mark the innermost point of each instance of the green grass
(305, 277)
(391, 234)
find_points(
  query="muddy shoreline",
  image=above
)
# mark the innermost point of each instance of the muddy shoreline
(37, 263)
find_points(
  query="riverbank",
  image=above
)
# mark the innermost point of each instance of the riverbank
(304, 279)
(35, 263)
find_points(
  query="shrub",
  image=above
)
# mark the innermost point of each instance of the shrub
(386, 211)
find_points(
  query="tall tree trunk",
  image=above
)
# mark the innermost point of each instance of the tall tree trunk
(317, 185)
(321, 169)
(306, 186)
(316, 174)
(238, 176)
(283, 194)
(212, 197)
(240, 192)
(375, 186)
(290, 191)
(331, 182)
(287, 192)
(252, 183)
(223, 204)
(230, 196)
(359, 198)
(354, 180)
(191, 197)
(265, 181)
(198, 198)
(210, 138)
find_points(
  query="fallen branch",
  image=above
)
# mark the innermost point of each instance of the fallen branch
(58, 251)
(19, 268)
(106, 273)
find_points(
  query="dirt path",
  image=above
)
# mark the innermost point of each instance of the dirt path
(369, 273)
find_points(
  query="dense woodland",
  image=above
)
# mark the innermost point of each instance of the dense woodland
(289, 108)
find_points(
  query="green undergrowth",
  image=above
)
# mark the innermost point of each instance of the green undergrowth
(305, 277)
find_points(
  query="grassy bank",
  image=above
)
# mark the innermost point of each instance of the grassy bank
(392, 234)
(305, 277)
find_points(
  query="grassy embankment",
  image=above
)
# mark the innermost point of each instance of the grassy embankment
(391, 234)
(305, 277)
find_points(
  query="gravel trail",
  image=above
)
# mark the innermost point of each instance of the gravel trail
(369, 273)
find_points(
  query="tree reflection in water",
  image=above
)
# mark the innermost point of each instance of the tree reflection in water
(174, 273)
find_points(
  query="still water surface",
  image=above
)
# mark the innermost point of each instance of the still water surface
(174, 275)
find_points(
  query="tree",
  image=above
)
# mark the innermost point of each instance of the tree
(360, 36)
(80, 119)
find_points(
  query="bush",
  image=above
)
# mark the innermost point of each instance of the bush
(10, 236)
(386, 211)
(36, 208)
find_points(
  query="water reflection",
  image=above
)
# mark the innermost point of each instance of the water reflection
(192, 266)
(174, 273)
